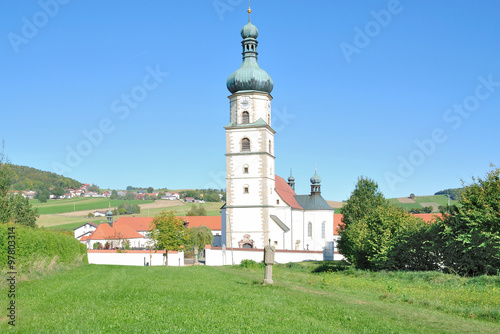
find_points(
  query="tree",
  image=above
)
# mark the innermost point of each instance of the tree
(13, 208)
(150, 190)
(197, 210)
(94, 188)
(397, 240)
(201, 236)
(364, 200)
(114, 194)
(58, 191)
(43, 195)
(168, 231)
(469, 233)
(412, 196)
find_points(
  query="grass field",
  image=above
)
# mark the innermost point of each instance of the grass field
(439, 199)
(79, 204)
(68, 223)
(201, 299)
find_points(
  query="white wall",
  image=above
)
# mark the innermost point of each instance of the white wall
(216, 257)
(135, 258)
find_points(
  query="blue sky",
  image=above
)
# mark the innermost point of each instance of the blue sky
(122, 93)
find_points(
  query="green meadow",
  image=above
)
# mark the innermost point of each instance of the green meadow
(79, 204)
(306, 298)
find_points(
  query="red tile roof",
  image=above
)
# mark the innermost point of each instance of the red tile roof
(212, 222)
(84, 238)
(428, 217)
(286, 193)
(118, 231)
(137, 223)
(337, 221)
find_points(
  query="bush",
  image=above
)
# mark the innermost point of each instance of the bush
(39, 244)
(469, 233)
(251, 264)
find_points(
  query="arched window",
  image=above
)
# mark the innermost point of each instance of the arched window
(310, 230)
(245, 169)
(270, 148)
(323, 230)
(245, 189)
(245, 117)
(245, 145)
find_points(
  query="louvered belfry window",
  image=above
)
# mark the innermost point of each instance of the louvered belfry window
(245, 145)
(245, 118)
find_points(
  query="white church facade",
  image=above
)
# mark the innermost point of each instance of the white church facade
(261, 206)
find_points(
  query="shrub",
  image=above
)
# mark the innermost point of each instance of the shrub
(251, 264)
(39, 244)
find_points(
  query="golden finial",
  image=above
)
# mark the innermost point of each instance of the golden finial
(249, 11)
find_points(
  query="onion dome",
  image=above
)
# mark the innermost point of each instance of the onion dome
(291, 178)
(109, 213)
(315, 179)
(249, 31)
(250, 76)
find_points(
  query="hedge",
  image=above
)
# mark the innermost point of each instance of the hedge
(39, 244)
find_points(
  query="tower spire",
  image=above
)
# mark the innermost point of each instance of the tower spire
(249, 11)
(291, 180)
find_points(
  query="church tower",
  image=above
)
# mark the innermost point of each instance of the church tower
(250, 180)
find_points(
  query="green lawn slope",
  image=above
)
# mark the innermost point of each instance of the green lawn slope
(200, 299)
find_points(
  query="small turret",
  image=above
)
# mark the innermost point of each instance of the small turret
(291, 180)
(109, 218)
(315, 183)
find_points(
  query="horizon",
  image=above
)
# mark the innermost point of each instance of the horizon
(404, 93)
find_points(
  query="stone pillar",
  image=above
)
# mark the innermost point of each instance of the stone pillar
(269, 262)
(196, 256)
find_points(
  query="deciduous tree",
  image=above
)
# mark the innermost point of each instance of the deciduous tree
(168, 232)
(469, 234)
(364, 200)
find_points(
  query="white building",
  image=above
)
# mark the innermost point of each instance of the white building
(84, 230)
(260, 205)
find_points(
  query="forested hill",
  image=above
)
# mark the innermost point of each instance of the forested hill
(28, 178)
(454, 193)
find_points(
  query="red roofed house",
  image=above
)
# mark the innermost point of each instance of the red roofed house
(137, 229)
(212, 222)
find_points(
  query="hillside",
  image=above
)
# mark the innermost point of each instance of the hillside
(29, 178)
(419, 202)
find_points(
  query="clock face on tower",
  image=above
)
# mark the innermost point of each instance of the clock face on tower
(245, 103)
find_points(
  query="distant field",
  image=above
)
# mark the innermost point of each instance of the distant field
(440, 199)
(148, 209)
(421, 201)
(305, 298)
(79, 204)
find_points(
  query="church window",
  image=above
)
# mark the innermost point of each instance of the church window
(245, 117)
(245, 169)
(245, 189)
(270, 151)
(323, 230)
(245, 145)
(277, 201)
(310, 230)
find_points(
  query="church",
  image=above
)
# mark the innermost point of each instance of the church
(262, 207)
